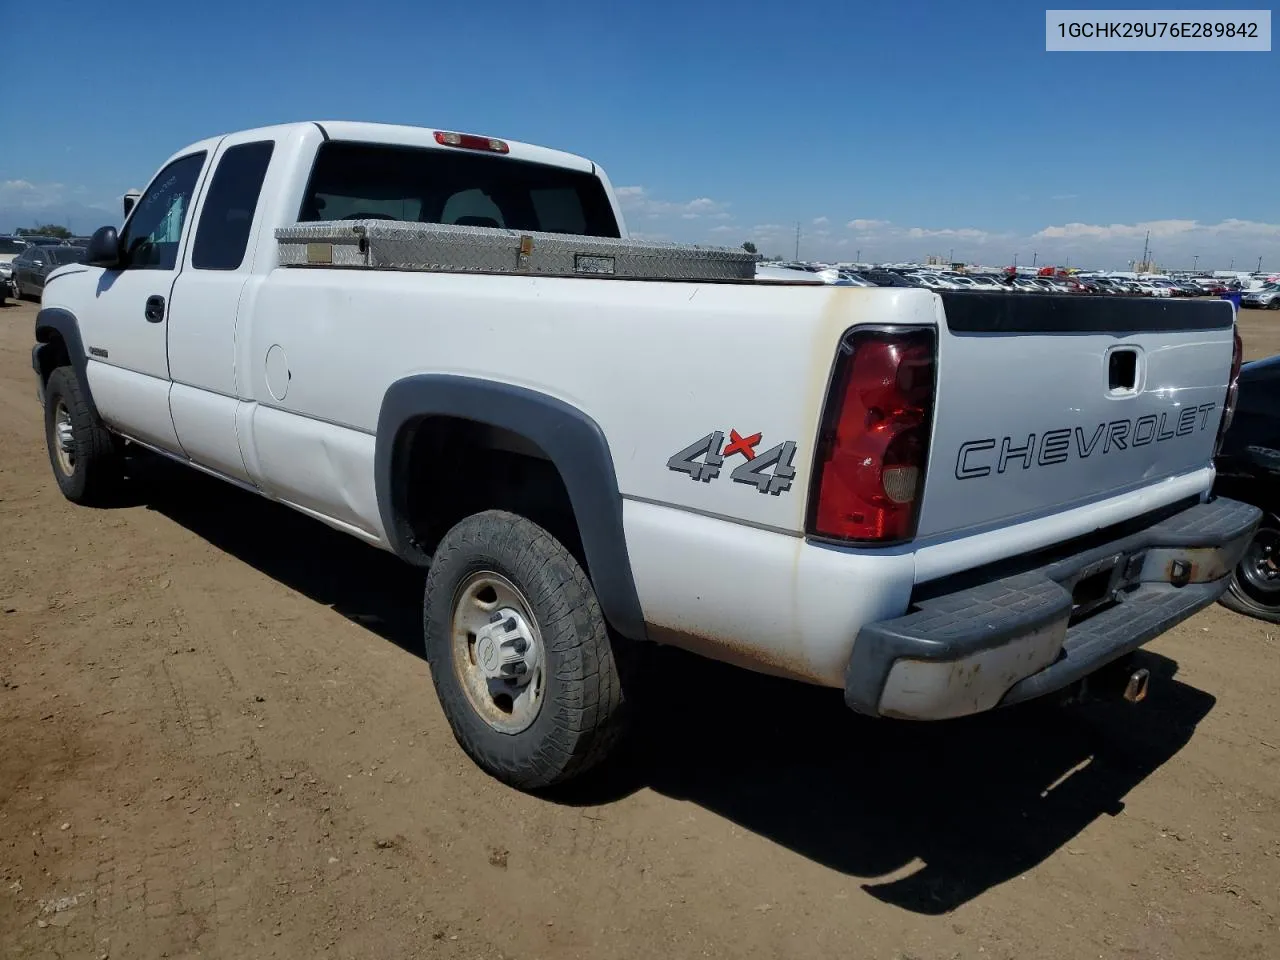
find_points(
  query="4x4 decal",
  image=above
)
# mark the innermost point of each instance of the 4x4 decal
(769, 472)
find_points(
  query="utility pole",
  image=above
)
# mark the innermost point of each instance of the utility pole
(1232, 264)
(951, 256)
(797, 239)
(1035, 255)
(1015, 263)
(857, 257)
(1259, 265)
(1194, 260)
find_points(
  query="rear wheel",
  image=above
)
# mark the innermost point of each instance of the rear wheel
(520, 654)
(1255, 582)
(1274, 304)
(84, 455)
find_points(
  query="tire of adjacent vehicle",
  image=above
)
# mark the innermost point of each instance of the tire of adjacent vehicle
(1251, 591)
(582, 714)
(96, 468)
(1274, 304)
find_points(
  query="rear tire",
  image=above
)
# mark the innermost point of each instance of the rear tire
(84, 455)
(520, 652)
(1274, 304)
(1255, 582)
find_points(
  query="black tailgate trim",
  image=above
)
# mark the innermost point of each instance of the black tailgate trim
(1078, 313)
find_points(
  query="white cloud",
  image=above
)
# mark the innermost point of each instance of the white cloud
(638, 200)
(866, 225)
(724, 228)
(948, 233)
(1117, 231)
(1179, 233)
(27, 202)
(26, 195)
(820, 221)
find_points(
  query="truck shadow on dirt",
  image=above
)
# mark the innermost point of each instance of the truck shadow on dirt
(929, 816)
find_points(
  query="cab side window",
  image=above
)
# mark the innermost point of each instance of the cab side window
(151, 237)
(227, 216)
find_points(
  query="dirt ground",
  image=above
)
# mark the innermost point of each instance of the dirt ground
(219, 740)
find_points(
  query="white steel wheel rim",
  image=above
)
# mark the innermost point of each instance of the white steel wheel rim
(64, 447)
(498, 654)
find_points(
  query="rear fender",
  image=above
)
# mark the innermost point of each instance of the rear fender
(571, 440)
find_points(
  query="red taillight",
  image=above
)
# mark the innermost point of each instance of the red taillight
(1233, 389)
(469, 141)
(875, 437)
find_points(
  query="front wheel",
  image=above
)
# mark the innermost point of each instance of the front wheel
(1274, 304)
(84, 455)
(1255, 582)
(520, 653)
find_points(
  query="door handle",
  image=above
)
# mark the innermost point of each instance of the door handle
(155, 309)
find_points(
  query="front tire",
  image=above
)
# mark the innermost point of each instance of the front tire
(520, 652)
(1255, 582)
(84, 455)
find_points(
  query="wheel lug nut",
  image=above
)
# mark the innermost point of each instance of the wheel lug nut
(495, 617)
(521, 645)
(510, 624)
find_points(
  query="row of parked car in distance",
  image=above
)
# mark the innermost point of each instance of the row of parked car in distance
(1086, 283)
(26, 261)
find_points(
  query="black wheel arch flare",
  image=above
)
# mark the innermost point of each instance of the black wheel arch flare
(574, 443)
(55, 323)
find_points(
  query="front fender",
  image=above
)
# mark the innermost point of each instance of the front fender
(54, 324)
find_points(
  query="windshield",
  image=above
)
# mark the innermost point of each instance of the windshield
(8, 245)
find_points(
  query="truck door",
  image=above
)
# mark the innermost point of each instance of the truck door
(126, 330)
(208, 300)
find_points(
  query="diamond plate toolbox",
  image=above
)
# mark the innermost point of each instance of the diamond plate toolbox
(448, 248)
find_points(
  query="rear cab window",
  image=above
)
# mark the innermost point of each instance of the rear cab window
(356, 181)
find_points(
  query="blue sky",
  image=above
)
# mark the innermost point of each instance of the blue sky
(897, 129)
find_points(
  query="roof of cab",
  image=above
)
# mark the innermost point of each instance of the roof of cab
(412, 136)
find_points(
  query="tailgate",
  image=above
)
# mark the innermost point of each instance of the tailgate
(1049, 402)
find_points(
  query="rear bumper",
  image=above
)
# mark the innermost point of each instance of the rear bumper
(1022, 636)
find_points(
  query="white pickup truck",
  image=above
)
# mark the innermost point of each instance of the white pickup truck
(939, 502)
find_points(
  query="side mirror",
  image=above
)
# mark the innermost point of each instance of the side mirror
(104, 248)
